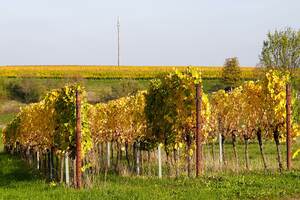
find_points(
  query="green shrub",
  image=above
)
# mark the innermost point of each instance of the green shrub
(25, 90)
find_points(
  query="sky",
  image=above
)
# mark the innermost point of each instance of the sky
(152, 32)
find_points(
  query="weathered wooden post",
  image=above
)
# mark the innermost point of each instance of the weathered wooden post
(49, 164)
(288, 126)
(52, 172)
(78, 141)
(199, 161)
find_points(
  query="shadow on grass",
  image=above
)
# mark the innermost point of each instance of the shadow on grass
(13, 169)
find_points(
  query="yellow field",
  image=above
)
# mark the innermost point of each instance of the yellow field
(88, 71)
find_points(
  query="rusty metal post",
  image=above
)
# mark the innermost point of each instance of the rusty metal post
(78, 141)
(199, 161)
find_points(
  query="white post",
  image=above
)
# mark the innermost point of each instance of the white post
(220, 150)
(108, 144)
(38, 159)
(159, 161)
(67, 169)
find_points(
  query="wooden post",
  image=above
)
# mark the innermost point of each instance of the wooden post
(27, 153)
(176, 160)
(288, 126)
(78, 141)
(49, 164)
(159, 161)
(199, 162)
(100, 154)
(45, 162)
(67, 169)
(52, 172)
(62, 165)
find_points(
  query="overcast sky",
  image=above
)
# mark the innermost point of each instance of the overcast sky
(153, 32)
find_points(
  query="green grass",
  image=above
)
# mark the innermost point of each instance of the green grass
(7, 117)
(255, 159)
(17, 181)
(98, 90)
(1, 143)
(98, 85)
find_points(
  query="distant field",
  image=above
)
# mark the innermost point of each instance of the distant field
(108, 72)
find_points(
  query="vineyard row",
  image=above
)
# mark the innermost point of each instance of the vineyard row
(151, 127)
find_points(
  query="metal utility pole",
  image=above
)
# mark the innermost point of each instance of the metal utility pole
(118, 28)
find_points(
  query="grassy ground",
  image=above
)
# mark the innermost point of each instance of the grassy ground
(255, 160)
(98, 90)
(100, 84)
(19, 182)
(7, 117)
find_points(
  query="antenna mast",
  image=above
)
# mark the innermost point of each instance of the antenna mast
(118, 28)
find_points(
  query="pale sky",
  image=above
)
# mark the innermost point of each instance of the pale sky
(153, 32)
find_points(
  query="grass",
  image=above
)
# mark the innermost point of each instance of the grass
(8, 110)
(100, 85)
(1, 143)
(17, 181)
(255, 160)
(98, 90)
(5, 118)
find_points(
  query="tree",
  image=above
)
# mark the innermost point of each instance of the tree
(231, 73)
(281, 50)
